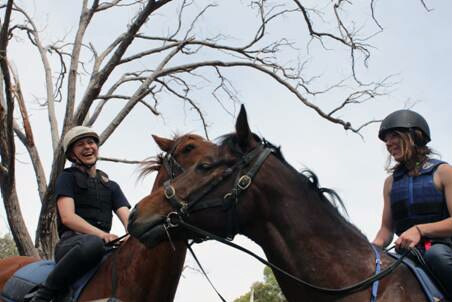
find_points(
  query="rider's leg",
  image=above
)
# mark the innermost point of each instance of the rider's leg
(439, 259)
(75, 257)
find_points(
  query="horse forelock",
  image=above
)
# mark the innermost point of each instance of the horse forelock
(154, 163)
(151, 164)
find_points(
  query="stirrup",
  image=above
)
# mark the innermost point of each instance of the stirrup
(42, 293)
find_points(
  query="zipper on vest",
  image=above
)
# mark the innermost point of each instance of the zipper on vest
(410, 192)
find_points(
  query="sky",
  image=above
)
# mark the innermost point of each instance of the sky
(414, 47)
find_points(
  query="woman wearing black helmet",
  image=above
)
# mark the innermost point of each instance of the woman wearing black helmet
(418, 194)
(86, 199)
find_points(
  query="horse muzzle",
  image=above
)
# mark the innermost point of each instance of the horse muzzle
(150, 231)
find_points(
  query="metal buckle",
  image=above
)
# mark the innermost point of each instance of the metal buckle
(169, 192)
(170, 220)
(227, 196)
(244, 182)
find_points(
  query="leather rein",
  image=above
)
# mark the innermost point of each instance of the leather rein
(253, 161)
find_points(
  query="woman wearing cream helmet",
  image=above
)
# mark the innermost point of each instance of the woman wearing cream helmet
(86, 198)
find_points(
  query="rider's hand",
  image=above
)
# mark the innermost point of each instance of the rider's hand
(409, 238)
(107, 237)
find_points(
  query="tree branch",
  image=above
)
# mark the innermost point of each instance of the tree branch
(273, 75)
(191, 102)
(3, 171)
(123, 161)
(8, 161)
(98, 79)
(7, 149)
(141, 92)
(29, 140)
(85, 18)
(48, 77)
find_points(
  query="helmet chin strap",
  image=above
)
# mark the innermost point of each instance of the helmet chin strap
(79, 162)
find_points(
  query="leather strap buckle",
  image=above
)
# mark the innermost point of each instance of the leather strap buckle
(169, 192)
(244, 182)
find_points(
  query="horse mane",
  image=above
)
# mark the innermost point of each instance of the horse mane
(329, 196)
(326, 193)
(150, 165)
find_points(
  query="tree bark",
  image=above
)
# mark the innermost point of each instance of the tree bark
(18, 228)
(8, 150)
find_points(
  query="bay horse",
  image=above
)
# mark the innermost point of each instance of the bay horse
(143, 274)
(284, 211)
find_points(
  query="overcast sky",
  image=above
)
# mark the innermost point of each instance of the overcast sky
(415, 46)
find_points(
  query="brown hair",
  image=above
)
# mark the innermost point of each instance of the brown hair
(413, 153)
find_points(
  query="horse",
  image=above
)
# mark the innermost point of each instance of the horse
(143, 274)
(249, 188)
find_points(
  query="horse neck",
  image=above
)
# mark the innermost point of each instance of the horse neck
(303, 235)
(142, 274)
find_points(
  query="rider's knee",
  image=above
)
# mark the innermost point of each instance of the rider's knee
(436, 255)
(92, 248)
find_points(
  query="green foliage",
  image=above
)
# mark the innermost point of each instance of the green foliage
(267, 291)
(7, 247)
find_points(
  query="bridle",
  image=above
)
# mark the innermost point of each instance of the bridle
(172, 167)
(247, 167)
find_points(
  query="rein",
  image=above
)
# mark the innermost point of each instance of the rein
(171, 164)
(330, 291)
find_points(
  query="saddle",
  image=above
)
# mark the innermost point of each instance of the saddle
(28, 278)
(431, 290)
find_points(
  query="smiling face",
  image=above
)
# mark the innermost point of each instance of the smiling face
(85, 150)
(393, 143)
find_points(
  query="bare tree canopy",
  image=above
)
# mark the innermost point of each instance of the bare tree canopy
(124, 54)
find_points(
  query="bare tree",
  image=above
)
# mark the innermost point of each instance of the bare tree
(182, 62)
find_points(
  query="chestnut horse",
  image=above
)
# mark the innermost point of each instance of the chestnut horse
(143, 274)
(249, 188)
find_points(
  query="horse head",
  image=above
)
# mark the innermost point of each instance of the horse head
(179, 153)
(213, 194)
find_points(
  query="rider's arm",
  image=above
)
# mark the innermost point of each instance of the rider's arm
(385, 234)
(69, 218)
(120, 204)
(443, 228)
(123, 215)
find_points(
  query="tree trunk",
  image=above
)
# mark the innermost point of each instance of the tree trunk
(46, 232)
(18, 229)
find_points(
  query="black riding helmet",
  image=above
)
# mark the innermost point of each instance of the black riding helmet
(405, 120)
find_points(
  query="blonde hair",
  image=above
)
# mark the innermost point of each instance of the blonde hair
(413, 153)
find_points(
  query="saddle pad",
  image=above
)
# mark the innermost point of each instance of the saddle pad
(31, 275)
(430, 289)
(25, 279)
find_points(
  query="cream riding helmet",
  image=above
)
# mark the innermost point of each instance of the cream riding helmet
(73, 135)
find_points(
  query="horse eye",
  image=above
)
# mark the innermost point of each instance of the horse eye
(204, 166)
(188, 148)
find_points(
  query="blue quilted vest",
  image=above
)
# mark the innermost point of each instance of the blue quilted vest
(415, 200)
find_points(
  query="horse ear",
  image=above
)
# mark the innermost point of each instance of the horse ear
(164, 144)
(242, 128)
